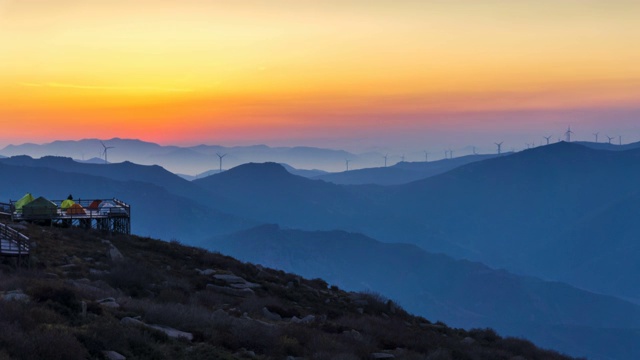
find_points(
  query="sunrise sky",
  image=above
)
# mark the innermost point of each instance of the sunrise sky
(351, 74)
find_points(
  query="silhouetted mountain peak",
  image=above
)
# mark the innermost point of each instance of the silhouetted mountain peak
(268, 171)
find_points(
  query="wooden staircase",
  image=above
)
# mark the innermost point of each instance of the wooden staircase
(14, 244)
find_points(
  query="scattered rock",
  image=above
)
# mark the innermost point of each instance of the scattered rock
(236, 281)
(108, 302)
(114, 254)
(206, 272)
(51, 276)
(98, 272)
(68, 266)
(129, 321)
(270, 316)
(230, 291)
(112, 355)
(245, 353)
(83, 309)
(305, 320)
(16, 295)
(230, 278)
(353, 334)
(381, 355)
(171, 332)
(247, 285)
(393, 307)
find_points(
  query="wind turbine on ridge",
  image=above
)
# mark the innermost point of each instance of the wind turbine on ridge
(610, 138)
(596, 135)
(568, 133)
(499, 145)
(106, 148)
(547, 138)
(220, 156)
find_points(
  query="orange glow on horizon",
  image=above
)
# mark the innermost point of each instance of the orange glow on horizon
(193, 70)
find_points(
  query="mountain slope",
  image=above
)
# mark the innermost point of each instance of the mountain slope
(270, 193)
(458, 292)
(89, 297)
(522, 210)
(400, 173)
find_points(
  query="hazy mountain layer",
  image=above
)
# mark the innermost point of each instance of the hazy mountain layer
(196, 159)
(547, 211)
(400, 173)
(460, 293)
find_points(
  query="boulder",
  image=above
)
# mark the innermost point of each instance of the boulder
(112, 355)
(129, 321)
(171, 332)
(230, 291)
(114, 254)
(305, 320)
(16, 295)
(270, 316)
(108, 302)
(206, 272)
(381, 355)
(230, 278)
(246, 285)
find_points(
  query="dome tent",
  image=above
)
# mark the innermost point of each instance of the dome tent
(27, 198)
(107, 207)
(95, 204)
(40, 207)
(67, 204)
(76, 209)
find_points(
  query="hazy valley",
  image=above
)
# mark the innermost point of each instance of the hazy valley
(539, 244)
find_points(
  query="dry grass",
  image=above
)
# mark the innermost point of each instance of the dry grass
(158, 283)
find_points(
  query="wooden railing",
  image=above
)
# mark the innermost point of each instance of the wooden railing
(13, 243)
(119, 208)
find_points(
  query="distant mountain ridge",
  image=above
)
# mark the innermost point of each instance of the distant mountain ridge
(402, 172)
(505, 212)
(192, 159)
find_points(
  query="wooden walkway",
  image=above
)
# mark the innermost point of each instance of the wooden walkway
(14, 244)
(91, 214)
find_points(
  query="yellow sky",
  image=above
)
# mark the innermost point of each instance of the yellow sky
(243, 68)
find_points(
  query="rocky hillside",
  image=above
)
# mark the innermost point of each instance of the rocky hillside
(93, 295)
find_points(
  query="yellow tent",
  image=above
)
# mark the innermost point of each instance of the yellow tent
(27, 198)
(66, 204)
